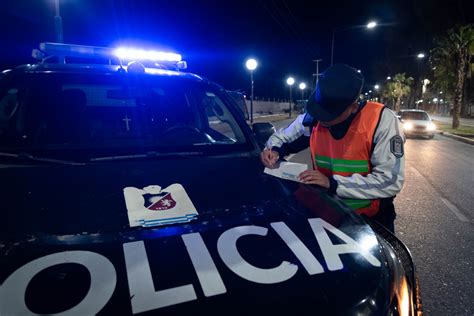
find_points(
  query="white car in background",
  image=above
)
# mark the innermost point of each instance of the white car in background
(417, 123)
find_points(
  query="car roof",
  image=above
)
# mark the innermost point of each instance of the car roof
(100, 69)
(412, 110)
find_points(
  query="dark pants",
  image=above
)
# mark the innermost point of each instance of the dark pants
(386, 214)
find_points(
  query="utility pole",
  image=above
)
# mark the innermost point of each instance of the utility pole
(58, 26)
(58, 23)
(316, 75)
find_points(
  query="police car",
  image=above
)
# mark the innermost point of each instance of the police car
(133, 187)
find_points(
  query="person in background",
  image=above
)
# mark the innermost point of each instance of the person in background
(356, 146)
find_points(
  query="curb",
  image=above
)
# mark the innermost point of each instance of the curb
(458, 138)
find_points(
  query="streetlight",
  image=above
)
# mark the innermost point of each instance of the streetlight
(251, 65)
(58, 26)
(420, 56)
(370, 25)
(389, 78)
(290, 81)
(302, 87)
(58, 22)
(376, 87)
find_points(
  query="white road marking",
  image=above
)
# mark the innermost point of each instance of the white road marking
(455, 210)
(446, 202)
(417, 172)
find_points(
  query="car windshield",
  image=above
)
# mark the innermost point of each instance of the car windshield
(115, 114)
(418, 116)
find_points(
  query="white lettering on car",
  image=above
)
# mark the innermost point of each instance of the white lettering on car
(206, 270)
(309, 262)
(331, 252)
(102, 274)
(140, 278)
(227, 247)
(140, 282)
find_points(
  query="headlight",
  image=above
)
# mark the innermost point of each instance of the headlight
(406, 299)
(431, 127)
(408, 126)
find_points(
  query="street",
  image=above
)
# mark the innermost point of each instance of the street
(435, 217)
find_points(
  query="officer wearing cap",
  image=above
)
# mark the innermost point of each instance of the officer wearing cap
(356, 147)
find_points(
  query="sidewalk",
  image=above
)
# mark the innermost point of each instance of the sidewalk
(449, 119)
(458, 138)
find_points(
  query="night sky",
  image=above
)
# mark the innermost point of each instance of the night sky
(216, 37)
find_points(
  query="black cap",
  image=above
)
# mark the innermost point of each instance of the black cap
(338, 87)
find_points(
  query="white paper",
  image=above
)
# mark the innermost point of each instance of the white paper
(287, 170)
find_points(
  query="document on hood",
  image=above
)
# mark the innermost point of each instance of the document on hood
(153, 206)
(287, 170)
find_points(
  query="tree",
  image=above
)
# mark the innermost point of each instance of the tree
(451, 58)
(397, 88)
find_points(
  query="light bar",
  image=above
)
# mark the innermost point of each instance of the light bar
(139, 54)
(75, 50)
(123, 53)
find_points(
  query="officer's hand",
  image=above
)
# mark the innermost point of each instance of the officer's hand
(269, 158)
(314, 177)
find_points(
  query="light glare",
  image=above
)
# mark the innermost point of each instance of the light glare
(371, 25)
(140, 54)
(251, 64)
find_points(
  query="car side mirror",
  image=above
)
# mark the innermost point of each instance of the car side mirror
(263, 131)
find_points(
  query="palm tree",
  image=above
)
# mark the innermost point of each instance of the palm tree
(452, 56)
(397, 88)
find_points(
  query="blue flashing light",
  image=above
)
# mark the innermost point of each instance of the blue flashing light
(139, 54)
(123, 53)
(75, 50)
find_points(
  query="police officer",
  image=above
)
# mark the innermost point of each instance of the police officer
(356, 147)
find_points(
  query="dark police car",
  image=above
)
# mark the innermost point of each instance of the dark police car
(130, 190)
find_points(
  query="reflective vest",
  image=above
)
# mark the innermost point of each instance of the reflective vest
(349, 155)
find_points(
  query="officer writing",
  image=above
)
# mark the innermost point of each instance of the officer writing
(356, 147)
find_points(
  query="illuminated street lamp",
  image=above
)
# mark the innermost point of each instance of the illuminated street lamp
(58, 22)
(389, 78)
(251, 65)
(376, 87)
(419, 92)
(302, 86)
(290, 81)
(370, 25)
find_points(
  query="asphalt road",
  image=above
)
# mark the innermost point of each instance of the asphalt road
(435, 219)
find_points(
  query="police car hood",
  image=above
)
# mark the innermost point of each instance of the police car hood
(259, 243)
